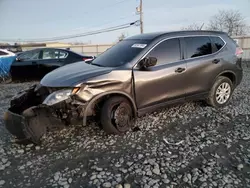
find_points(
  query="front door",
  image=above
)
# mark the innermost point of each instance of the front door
(27, 65)
(163, 82)
(50, 60)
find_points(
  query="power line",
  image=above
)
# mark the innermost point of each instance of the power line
(119, 27)
(105, 23)
(93, 10)
(106, 7)
(81, 34)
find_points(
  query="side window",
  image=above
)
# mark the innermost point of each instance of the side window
(3, 53)
(30, 55)
(63, 55)
(218, 42)
(167, 51)
(50, 54)
(198, 46)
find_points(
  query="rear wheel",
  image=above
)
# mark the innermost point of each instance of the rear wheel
(221, 92)
(116, 115)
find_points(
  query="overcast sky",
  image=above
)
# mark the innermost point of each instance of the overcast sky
(26, 19)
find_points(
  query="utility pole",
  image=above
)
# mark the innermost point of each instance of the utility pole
(141, 17)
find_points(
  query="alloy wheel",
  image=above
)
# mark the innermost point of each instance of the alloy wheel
(223, 93)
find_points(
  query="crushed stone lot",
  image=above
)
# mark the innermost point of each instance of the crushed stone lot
(189, 145)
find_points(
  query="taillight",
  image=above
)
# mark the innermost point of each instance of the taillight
(86, 59)
(238, 52)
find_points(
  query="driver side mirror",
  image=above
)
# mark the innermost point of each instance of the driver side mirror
(148, 62)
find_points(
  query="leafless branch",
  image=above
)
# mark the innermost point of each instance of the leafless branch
(230, 21)
(193, 26)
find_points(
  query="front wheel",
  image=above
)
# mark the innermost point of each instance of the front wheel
(116, 115)
(221, 92)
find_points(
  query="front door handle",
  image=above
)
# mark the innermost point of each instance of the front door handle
(180, 70)
(34, 63)
(215, 61)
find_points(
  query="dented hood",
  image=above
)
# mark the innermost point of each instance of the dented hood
(72, 74)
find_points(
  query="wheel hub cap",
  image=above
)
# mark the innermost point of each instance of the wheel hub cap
(122, 117)
(223, 93)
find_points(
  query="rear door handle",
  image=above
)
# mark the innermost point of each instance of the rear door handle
(180, 70)
(215, 61)
(34, 63)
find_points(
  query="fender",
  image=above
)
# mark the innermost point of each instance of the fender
(221, 73)
(94, 99)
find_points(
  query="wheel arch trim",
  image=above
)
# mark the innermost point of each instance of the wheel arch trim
(224, 72)
(94, 99)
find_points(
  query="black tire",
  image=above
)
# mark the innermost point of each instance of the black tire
(211, 100)
(8, 80)
(110, 120)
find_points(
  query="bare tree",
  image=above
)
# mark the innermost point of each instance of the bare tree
(121, 37)
(193, 26)
(230, 21)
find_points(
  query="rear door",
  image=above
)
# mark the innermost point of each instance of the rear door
(202, 64)
(50, 60)
(27, 65)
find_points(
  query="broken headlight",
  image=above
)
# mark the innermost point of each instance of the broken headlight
(57, 96)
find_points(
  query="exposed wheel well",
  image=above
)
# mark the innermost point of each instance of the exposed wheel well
(231, 76)
(100, 101)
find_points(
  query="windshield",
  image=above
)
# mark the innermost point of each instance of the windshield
(120, 54)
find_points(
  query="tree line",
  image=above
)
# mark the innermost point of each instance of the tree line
(230, 21)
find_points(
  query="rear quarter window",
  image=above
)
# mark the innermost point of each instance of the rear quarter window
(63, 55)
(218, 43)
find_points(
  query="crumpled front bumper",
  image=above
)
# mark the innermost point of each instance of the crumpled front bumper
(27, 118)
(32, 125)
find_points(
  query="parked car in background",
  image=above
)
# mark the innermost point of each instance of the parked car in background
(12, 48)
(35, 64)
(6, 59)
(136, 76)
(6, 53)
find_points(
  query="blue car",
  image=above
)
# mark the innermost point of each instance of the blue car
(6, 59)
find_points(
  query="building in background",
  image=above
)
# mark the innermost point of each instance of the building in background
(96, 49)
(86, 49)
(57, 45)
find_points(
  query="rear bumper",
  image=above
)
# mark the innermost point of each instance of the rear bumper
(240, 76)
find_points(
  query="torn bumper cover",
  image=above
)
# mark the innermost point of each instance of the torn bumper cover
(32, 124)
(14, 123)
(29, 118)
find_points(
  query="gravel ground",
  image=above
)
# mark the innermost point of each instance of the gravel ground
(191, 145)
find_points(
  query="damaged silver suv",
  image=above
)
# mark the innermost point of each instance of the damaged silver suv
(136, 76)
